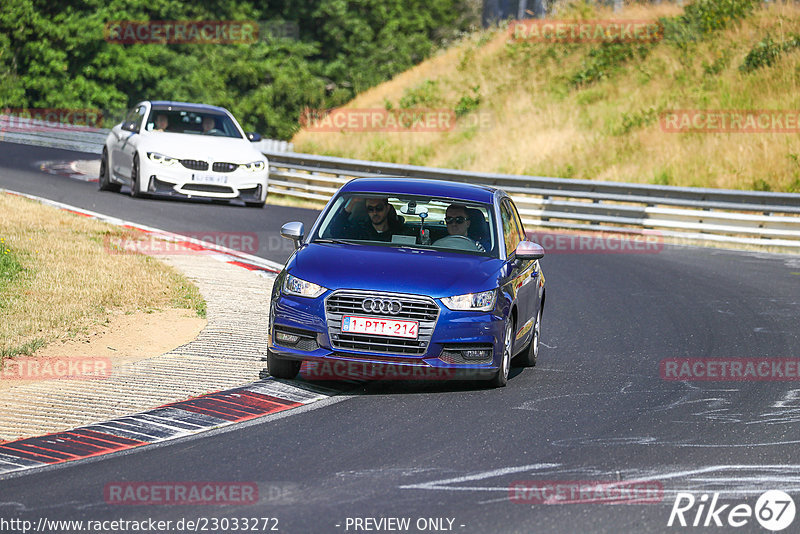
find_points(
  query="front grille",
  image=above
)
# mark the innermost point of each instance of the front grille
(222, 166)
(195, 164)
(414, 308)
(208, 188)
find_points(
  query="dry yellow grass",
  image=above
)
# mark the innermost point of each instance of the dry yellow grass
(539, 125)
(68, 281)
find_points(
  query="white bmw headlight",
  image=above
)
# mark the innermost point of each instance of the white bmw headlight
(254, 166)
(483, 301)
(161, 158)
(297, 286)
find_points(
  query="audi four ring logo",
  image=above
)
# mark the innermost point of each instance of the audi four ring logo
(386, 306)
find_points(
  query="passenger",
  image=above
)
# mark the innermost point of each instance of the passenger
(381, 224)
(209, 125)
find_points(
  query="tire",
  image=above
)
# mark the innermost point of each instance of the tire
(500, 379)
(255, 204)
(281, 368)
(135, 192)
(529, 355)
(104, 180)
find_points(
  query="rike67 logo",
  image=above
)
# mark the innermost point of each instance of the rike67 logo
(774, 510)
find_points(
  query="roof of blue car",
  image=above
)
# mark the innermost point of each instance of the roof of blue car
(419, 186)
(187, 106)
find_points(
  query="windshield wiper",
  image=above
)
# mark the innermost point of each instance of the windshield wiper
(331, 240)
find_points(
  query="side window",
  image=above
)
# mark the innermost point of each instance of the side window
(517, 219)
(510, 230)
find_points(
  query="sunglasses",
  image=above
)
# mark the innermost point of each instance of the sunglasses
(455, 220)
(379, 208)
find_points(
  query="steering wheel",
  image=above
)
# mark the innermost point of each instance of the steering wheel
(459, 242)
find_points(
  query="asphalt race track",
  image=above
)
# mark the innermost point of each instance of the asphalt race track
(594, 409)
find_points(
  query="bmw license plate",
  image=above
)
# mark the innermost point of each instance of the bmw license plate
(379, 327)
(209, 179)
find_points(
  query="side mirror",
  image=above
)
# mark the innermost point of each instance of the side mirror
(253, 137)
(294, 231)
(528, 250)
(129, 126)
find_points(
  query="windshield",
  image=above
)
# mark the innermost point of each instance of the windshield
(397, 220)
(191, 122)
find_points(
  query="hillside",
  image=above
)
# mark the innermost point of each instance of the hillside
(592, 111)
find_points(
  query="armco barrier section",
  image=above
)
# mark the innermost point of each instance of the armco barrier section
(687, 213)
(683, 213)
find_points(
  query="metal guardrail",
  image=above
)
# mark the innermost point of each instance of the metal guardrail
(86, 139)
(682, 213)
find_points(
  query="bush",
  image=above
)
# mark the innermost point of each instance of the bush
(766, 52)
(469, 103)
(426, 95)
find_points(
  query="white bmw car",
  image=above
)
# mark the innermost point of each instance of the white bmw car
(176, 149)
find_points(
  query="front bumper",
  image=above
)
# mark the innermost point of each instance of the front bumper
(178, 181)
(442, 357)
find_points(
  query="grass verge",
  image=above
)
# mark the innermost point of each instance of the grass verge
(592, 111)
(58, 279)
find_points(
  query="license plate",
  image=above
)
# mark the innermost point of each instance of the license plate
(209, 179)
(379, 327)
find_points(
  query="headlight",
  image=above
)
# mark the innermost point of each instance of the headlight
(254, 166)
(483, 301)
(296, 286)
(161, 158)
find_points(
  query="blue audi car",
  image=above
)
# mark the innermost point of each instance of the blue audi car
(428, 276)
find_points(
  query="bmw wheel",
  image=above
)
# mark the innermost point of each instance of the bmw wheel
(104, 180)
(135, 191)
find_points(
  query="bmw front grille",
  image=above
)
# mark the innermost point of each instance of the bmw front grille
(385, 306)
(195, 164)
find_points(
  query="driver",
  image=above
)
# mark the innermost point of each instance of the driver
(457, 220)
(161, 122)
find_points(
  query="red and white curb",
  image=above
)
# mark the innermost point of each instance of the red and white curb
(65, 168)
(167, 422)
(173, 420)
(250, 262)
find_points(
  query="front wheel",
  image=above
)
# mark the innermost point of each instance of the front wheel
(500, 379)
(281, 368)
(530, 354)
(104, 180)
(135, 191)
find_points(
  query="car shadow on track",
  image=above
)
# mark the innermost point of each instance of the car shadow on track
(407, 387)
